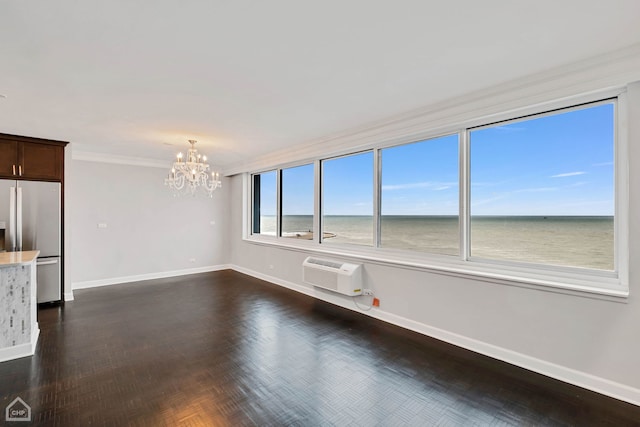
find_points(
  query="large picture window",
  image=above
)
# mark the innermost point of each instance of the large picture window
(542, 189)
(535, 198)
(420, 198)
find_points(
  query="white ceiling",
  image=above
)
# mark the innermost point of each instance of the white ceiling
(245, 78)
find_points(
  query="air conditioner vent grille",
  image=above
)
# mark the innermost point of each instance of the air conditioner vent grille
(325, 263)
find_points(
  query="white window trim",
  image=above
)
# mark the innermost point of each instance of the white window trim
(585, 282)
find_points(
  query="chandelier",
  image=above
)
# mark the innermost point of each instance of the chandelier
(187, 176)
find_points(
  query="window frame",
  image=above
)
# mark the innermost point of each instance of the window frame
(253, 194)
(279, 188)
(379, 164)
(549, 113)
(572, 280)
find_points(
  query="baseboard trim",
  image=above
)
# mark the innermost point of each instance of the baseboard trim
(68, 296)
(140, 277)
(21, 350)
(562, 373)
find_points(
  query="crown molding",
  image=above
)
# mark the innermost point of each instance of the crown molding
(608, 72)
(90, 156)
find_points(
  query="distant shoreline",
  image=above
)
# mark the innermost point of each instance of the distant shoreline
(306, 235)
(449, 216)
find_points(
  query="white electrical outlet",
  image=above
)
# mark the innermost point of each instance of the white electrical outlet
(102, 225)
(192, 260)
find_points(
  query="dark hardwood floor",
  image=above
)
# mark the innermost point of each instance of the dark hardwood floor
(226, 349)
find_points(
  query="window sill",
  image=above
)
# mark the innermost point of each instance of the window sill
(590, 283)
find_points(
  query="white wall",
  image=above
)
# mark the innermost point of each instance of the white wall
(587, 341)
(149, 231)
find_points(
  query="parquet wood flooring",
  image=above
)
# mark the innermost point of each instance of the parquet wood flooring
(225, 349)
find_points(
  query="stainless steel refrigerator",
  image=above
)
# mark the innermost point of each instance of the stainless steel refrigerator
(30, 220)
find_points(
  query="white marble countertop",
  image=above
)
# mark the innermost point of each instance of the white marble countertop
(14, 258)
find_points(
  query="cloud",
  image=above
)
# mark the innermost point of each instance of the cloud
(603, 164)
(576, 184)
(506, 194)
(535, 190)
(435, 186)
(509, 128)
(562, 175)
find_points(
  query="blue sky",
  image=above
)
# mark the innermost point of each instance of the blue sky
(555, 165)
(297, 190)
(560, 164)
(421, 178)
(348, 185)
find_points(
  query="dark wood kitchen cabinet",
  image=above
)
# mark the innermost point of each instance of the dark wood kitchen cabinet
(31, 158)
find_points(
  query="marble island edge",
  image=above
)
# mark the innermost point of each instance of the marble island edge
(19, 329)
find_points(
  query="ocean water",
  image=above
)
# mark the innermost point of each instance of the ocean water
(576, 241)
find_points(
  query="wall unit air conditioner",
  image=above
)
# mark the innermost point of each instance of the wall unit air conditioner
(335, 276)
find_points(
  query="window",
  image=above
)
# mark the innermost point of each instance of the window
(542, 189)
(420, 199)
(536, 199)
(297, 202)
(347, 199)
(264, 203)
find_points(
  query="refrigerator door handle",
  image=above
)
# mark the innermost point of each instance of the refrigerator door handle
(49, 262)
(12, 220)
(19, 218)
